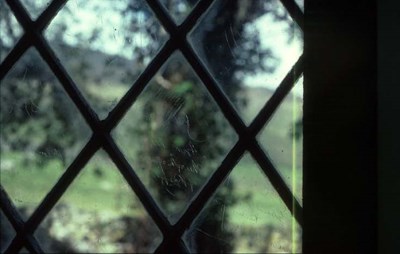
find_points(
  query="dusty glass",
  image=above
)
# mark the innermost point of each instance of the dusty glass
(174, 135)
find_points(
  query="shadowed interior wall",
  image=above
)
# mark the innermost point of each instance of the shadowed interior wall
(388, 125)
(340, 150)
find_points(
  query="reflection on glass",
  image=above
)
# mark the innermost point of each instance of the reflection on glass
(282, 139)
(247, 45)
(105, 47)
(253, 220)
(99, 213)
(41, 131)
(179, 9)
(7, 232)
(10, 30)
(174, 136)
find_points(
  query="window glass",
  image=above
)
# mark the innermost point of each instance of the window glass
(7, 232)
(10, 30)
(99, 213)
(41, 131)
(282, 139)
(253, 220)
(105, 46)
(179, 9)
(35, 8)
(249, 47)
(173, 134)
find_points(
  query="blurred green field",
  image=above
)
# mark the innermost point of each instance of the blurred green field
(100, 188)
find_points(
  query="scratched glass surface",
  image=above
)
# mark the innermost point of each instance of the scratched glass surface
(105, 46)
(7, 232)
(282, 139)
(174, 136)
(246, 215)
(249, 47)
(41, 131)
(179, 9)
(99, 213)
(10, 30)
(181, 136)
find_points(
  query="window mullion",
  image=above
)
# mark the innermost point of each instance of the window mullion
(133, 93)
(15, 54)
(201, 7)
(69, 85)
(277, 181)
(295, 12)
(220, 98)
(280, 93)
(211, 186)
(49, 13)
(17, 222)
(137, 186)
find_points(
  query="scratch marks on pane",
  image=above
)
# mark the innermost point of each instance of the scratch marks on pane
(188, 131)
(222, 218)
(233, 36)
(229, 45)
(172, 114)
(30, 107)
(233, 39)
(211, 236)
(182, 180)
(27, 110)
(162, 169)
(172, 194)
(23, 77)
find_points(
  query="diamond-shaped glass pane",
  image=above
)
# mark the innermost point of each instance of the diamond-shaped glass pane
(282, 139)
(179, 9)
(248, 46)
(246, 215)
(99, 213)
(10, 30)
(41, 131)
(104, 46)
(174, 136)
(35, 7)
(7, 232)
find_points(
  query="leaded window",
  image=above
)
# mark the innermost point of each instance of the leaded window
(195, 73)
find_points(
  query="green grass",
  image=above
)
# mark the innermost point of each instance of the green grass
(262, 205)
(28, 183)
(107, 192)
